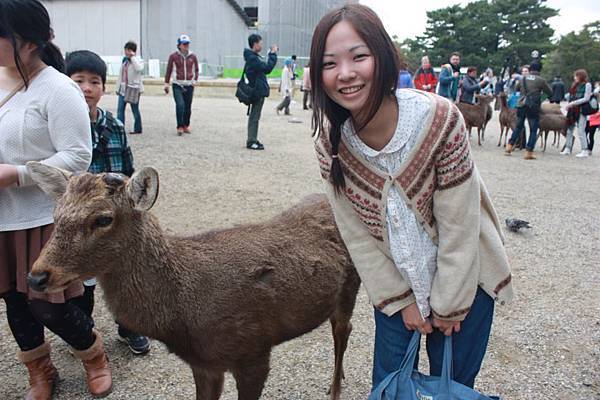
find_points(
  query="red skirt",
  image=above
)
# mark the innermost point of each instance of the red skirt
(18, 252)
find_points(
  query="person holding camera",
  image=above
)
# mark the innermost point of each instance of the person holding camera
(256, 72)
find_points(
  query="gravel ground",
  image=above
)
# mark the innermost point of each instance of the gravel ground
(546, 344)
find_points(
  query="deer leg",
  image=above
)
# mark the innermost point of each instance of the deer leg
(479, 136)
(546, 133)
(341, 329)
(209, 383)
(250, 377)
(501, 133)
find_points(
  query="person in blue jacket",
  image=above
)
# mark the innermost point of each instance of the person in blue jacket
(405, 79)
(256, 72)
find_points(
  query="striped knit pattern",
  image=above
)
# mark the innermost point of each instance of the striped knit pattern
(440, 161)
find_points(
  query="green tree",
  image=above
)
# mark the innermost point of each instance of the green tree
(524, 28)
(575, 51)
(488, 33)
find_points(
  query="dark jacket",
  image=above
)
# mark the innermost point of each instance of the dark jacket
(532, 86)
(257, 70)
(558, 91)
(470, 86)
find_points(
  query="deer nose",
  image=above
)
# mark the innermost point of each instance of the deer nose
(38, 282)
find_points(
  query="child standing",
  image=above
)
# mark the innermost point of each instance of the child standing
(408, 200)
(111, 153)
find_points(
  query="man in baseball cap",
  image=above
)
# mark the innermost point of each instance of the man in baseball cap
(183, 65)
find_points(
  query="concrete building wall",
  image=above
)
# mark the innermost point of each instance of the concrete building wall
(102, 26)
(215, 29)
(218, 33)
(290, 24)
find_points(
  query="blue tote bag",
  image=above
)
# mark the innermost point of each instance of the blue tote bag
(408, 384)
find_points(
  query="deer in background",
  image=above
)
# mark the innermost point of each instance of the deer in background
(551, 119)
(219, 300)
(507, 118)
(475, 115)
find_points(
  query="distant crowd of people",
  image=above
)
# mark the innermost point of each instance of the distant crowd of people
(524, 90)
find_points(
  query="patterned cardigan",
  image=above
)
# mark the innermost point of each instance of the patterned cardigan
(440, 183)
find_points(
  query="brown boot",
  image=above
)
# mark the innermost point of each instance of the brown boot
(529, 155)
(508, 150)
(42, 374)
(95, 362)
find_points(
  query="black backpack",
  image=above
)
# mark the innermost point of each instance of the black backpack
(245, 93)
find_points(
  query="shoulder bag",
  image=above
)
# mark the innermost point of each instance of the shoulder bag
(590, 107)
(245, 93)
(11, 94)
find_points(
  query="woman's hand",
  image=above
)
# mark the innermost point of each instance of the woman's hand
(447, 327)
(414, 321)
(8, 175)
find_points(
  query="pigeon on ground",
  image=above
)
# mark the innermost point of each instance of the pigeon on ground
(514, 225)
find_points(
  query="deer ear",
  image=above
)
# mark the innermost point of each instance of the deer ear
(142, 188)
(52, 180)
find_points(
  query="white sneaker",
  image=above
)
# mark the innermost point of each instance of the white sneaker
(565, 152)
(584, 153)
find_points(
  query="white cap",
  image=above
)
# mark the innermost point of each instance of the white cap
(183, 39)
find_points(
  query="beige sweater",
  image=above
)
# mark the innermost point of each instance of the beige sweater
(442, 186)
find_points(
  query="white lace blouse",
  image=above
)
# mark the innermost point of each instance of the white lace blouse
(412, 249)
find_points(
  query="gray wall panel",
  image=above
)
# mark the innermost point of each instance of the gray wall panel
(102, 26)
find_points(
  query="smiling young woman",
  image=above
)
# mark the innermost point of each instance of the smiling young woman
(410, 205)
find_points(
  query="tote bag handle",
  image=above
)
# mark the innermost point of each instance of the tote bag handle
(447, 372)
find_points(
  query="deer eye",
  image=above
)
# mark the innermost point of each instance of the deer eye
(103, 221)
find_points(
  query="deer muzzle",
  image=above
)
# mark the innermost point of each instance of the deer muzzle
(38, 281)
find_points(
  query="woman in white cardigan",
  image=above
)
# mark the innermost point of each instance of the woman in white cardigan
(43, 117)
(130, 86)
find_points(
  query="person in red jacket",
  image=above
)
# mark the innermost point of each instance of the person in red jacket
(425, 78)
(183, 65)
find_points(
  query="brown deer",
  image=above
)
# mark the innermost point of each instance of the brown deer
(219, 300)
(551, 119)
(475, 115)
(507, 118)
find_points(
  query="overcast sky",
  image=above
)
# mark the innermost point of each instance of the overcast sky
(407, 19)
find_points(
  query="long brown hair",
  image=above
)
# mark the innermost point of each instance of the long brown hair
(326, 112)
(582, 79)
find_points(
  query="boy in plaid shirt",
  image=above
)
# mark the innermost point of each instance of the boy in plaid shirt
(111, 153)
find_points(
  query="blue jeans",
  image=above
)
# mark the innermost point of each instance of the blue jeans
(183, 96)
(135, 109)
(533, 117)
(468, 345)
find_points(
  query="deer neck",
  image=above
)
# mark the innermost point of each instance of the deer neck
(142, 279)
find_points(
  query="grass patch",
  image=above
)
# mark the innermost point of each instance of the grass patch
(237, 73)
